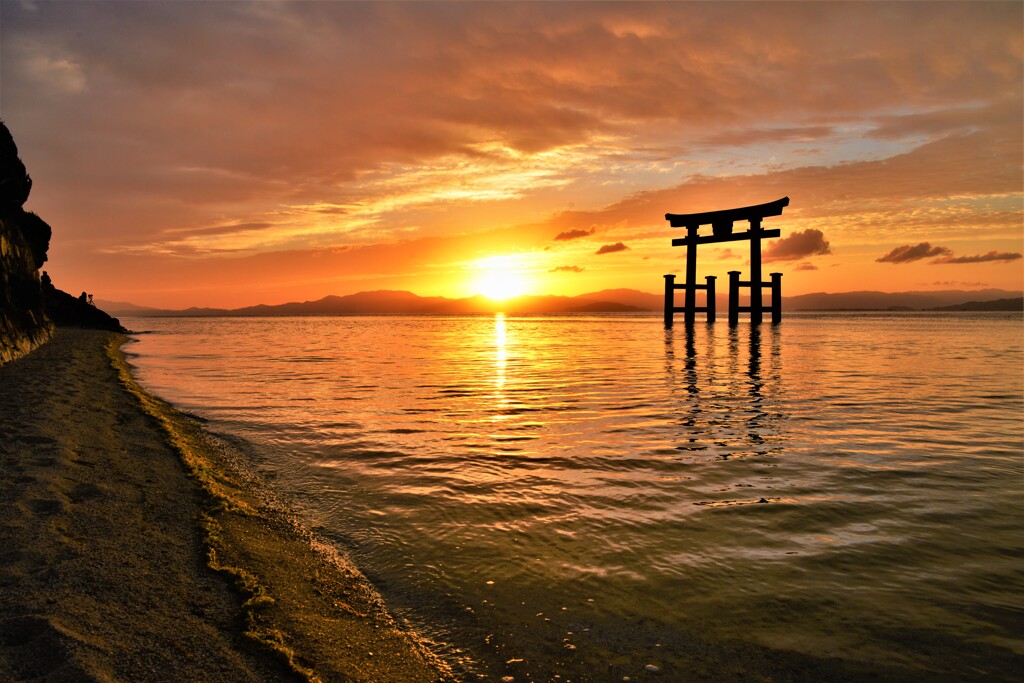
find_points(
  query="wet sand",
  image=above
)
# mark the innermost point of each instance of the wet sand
(135, 546)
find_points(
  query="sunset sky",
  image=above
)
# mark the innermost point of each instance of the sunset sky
(234, 153)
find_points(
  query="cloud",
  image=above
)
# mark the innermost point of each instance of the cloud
(219, 229)
(913, 252)
(567, 269)
(936, 123)
(870, 200)
(941, 255)
(611, 248)
(752, 136)
(574, 234)
(806, 266)
(799, 245)
(980, 258)
(442, 118)
(64, 75)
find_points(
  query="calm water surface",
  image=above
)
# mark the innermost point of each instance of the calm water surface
(591, 498)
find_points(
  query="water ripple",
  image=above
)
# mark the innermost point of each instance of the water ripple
(826, 495)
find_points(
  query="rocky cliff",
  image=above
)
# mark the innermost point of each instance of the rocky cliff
(24, 239)
(30, 304)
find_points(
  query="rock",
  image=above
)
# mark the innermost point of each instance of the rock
(69, 311)
(24, 239)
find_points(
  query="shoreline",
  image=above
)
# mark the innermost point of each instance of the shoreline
(136, 546)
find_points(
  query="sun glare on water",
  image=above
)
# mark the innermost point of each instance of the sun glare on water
(500, 278)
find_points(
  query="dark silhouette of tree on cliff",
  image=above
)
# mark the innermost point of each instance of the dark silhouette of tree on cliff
(15, 183)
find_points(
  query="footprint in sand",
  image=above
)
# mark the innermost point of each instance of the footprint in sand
(22, 562)
(9, 558)
(84, 491)
(35, 440)
(45, 646)
(46, 506)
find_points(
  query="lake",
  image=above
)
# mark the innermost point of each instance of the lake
(594, 498)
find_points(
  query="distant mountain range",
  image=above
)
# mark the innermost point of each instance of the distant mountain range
(906, 301)
(386, 302)
(1013, 304)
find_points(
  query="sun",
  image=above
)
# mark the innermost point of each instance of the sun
(500, 278)
(501, 285)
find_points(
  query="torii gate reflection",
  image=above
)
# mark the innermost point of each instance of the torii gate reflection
(721, 226)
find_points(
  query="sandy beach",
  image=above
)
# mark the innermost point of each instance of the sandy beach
(134, 546)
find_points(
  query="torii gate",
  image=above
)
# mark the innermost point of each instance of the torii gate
(721, 226)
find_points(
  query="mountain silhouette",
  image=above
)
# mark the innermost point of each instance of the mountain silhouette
(391, 302)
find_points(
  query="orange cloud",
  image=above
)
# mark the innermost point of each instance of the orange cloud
(981, 258)
(573, 234)
(909, 253)
(913, 252)
(611, 248)
(796, 246)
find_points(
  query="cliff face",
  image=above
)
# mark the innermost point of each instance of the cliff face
(24, 239)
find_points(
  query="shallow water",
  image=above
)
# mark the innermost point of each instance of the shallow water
(587, 498)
